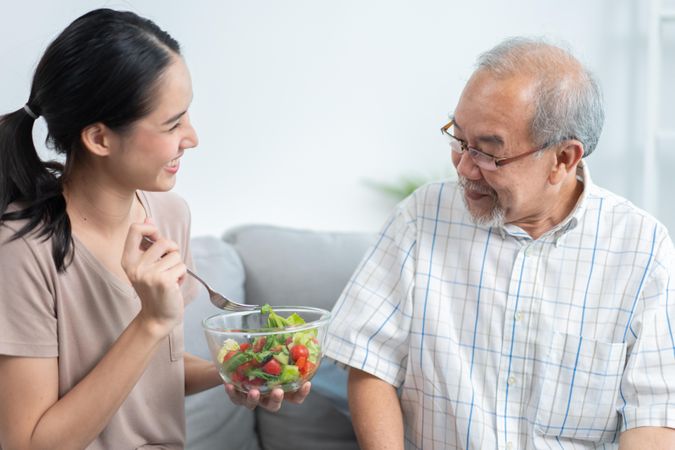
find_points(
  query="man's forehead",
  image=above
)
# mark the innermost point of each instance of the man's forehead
(484, 136)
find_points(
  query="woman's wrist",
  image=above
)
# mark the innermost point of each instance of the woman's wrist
(152, 328)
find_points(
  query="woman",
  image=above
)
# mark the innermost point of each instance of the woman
(91, 317)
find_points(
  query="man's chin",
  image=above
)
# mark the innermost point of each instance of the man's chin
(493, 217)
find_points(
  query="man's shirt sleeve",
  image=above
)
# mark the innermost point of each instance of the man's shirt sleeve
(371, 319)
(647, 394)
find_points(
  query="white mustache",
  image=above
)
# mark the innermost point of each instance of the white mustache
(475, 186)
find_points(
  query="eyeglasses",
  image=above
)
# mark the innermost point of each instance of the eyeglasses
(481, 159)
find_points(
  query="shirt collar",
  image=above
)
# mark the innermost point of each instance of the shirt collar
(568, 223)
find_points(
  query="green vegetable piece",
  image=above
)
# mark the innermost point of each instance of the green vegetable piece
(274, 320)
(282, 358)
(295, 319)
(259, 373)
(289, 374)
(260, 357)
(236, 361)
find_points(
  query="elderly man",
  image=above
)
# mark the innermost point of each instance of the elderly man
(522, 306)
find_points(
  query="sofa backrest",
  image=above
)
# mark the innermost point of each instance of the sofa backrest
(286, 266)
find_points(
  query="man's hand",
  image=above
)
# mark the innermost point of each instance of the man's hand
(271, 402)
(648, 438)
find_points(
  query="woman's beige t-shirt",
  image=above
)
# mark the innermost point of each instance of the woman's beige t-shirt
(77, 315)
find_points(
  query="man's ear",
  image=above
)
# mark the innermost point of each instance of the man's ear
(567, 157)
(97, 138)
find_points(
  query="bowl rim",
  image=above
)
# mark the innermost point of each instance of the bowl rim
(325, 318)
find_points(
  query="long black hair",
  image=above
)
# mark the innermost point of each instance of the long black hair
(103, 67)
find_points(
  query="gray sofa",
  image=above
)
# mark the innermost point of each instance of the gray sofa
(280, 266)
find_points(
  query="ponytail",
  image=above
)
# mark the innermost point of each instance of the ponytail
(33, 186)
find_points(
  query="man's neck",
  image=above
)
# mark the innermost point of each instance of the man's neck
(560, 207)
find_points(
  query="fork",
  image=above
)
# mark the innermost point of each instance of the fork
(218, 299)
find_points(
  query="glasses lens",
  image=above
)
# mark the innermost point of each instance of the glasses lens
(455, 145)
(482, 160)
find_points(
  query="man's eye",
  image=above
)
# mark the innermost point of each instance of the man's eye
(175, 126)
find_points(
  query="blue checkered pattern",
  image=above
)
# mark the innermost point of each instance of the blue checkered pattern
(498, 341)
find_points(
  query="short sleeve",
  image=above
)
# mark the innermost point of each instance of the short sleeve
(372, 318)
(647, 396)
(27, 312)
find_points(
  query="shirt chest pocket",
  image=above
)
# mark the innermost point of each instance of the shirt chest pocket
(579, 389)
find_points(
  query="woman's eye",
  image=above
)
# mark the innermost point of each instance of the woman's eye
(175, 126)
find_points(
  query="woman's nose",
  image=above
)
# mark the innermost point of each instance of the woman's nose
(191, 139)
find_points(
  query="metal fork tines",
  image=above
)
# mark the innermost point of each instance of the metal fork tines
(220, 301)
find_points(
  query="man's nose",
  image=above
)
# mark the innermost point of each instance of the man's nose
(466, 166)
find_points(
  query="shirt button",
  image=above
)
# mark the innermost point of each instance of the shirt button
(509, 445)
(511, 380)
(519, 316)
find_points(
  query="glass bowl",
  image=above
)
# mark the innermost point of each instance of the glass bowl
(255, 350)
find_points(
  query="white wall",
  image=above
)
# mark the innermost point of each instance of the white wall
(297, 103)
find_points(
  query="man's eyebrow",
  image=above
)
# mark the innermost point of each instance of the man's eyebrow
(174, 118)
(493, 139)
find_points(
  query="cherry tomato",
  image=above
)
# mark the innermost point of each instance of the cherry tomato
(301, 362)
(298, 351)
(308, 369)
(235, 377)
(256, 381)
(272, 367)
(243, 347)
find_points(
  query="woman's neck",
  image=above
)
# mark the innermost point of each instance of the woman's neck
(95, 207)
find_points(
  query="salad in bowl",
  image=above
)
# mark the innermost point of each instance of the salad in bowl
(267, 349)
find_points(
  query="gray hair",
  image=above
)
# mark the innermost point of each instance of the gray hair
(568, 101)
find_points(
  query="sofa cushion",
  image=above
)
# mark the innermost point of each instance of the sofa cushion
(213, 422)
(287, 266)
(313, 425)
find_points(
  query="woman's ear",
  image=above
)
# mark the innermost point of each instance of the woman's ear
(97, 138)
(567, 159)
